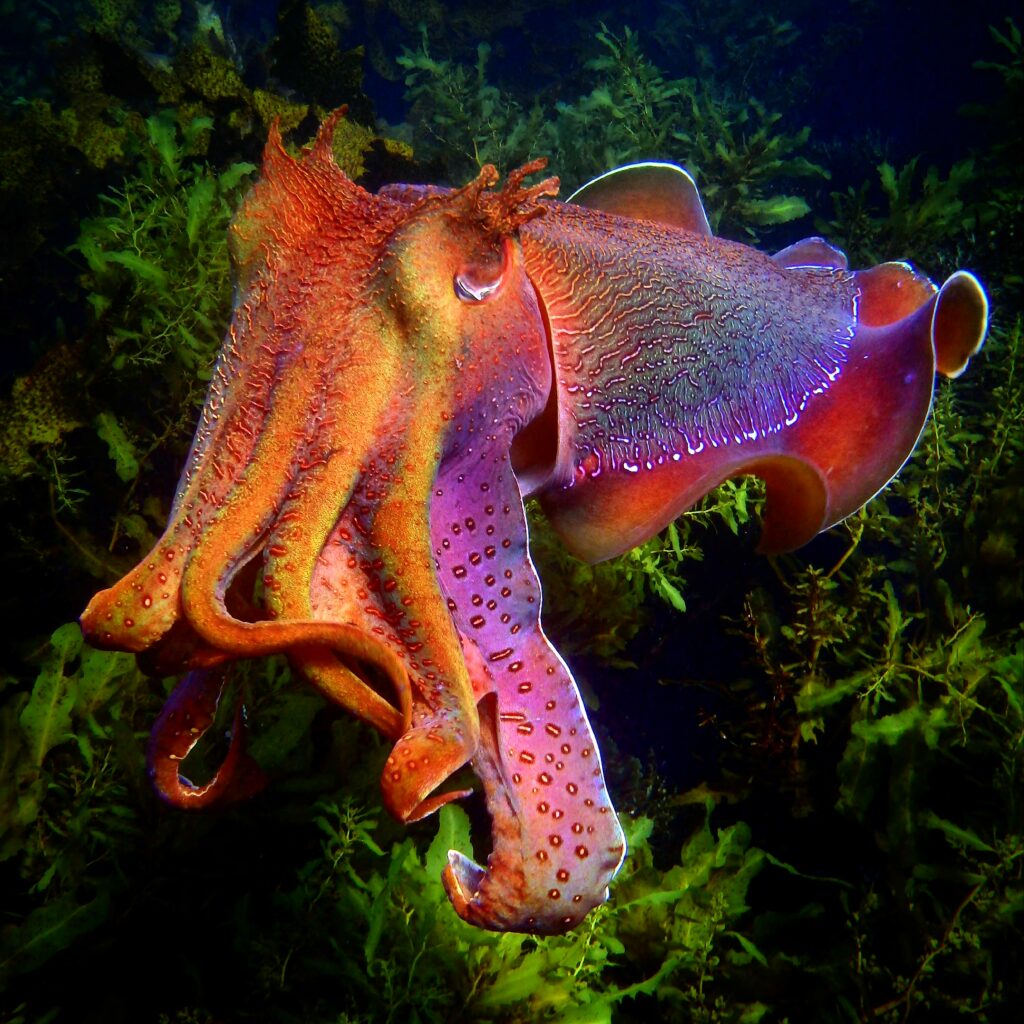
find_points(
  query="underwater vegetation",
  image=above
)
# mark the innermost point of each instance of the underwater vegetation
(632, 112)
(839, 834)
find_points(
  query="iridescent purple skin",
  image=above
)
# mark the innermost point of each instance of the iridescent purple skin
(399, 371)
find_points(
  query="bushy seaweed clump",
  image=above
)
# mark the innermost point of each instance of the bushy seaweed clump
(361, 926)
(118, 178)
(734, 146)
(83, 427)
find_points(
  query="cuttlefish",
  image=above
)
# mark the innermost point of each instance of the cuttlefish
(400, 370)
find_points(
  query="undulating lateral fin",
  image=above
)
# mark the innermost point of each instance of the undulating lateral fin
(890, 292)
(796, 502)
(647, 191)
(863, 431)
(812, 252)
(960, 323)
(848, 445)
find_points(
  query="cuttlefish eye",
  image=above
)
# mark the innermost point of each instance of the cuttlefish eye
(482, 276)
(474, 291)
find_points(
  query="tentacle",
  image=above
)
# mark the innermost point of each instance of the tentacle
(185, 719)
(445, 730)
(301, 531)
(556, 840)
(256, 639)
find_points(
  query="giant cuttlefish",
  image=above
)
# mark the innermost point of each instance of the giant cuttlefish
(401, 369)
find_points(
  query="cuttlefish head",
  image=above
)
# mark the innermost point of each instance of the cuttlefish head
(349, 500)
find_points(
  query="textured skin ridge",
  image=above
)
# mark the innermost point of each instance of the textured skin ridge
(690, 342)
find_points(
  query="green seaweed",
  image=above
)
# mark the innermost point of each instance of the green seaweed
(735, 147)
(461, 118)
(923, 216)
(600, 609)
(157, 260)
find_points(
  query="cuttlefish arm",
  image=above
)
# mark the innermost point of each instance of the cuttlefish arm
(557, 842)
(381, 358)
(186, 718)
(265, 432)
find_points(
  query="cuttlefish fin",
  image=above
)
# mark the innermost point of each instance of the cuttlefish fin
(960, 323)
(812, 252)
(857, 438)
(796, 501)
(655, 191)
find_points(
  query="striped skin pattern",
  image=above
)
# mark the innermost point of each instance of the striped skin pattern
(399, 371)
(693, 342)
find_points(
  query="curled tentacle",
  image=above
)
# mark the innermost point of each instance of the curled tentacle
(186, 718)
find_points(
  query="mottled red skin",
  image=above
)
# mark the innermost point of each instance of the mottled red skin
(399, 369)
